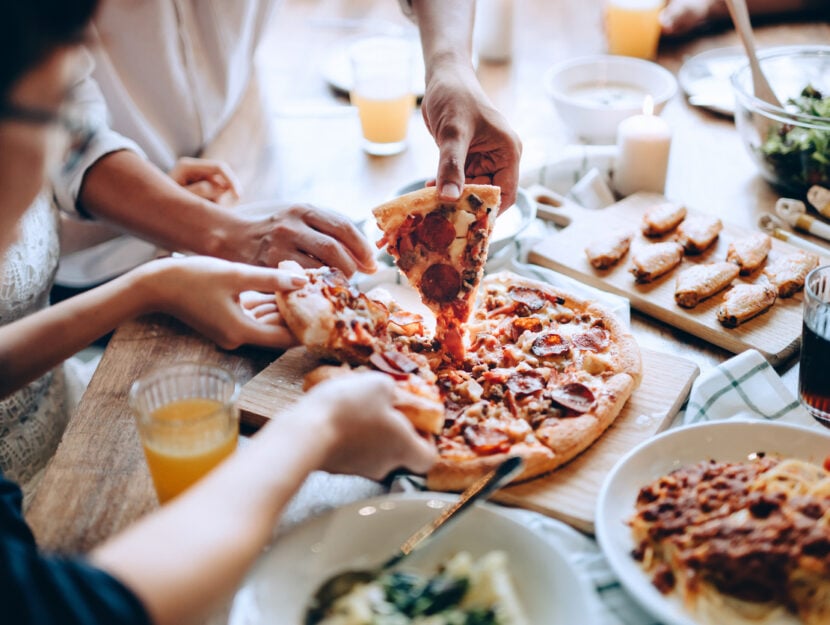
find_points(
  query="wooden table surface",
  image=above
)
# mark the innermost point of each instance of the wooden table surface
(295, 140)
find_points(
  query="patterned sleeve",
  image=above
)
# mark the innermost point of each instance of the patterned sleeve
(37, 589)
(92, 113)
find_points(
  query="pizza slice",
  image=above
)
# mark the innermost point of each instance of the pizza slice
(441, 248)
(331, 317)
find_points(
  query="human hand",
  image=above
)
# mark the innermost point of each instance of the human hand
(206, 293)
(475, 142)
(212, 180)
(306, 234)
(680, 17)
(366, 435)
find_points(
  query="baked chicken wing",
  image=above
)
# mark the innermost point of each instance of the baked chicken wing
(698, 233)
(607, 251)
(787, 273)
(745, 301)
(698, 282)
(750, 252)
(662, 218)
(652, 261)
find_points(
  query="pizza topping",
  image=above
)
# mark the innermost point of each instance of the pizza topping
(436, 232)
(524, 324)
(595, 339)
(529, 298)
(524, 383)
(486, 441)
(550, 344)
(406, 323)
(441, 283)
(574, 396)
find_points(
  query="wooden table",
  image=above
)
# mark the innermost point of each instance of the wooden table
(294, 140)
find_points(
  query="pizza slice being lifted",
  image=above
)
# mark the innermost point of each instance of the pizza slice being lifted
(441, 248)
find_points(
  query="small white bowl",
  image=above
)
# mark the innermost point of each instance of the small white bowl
(593, 94)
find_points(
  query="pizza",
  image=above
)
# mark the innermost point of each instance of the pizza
(441, 248)
(740, 541)
(544, 376)
(536, 372)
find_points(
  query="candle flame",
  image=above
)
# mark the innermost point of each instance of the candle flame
(648, 105)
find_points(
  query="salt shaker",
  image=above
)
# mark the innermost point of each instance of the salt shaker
(494, 30)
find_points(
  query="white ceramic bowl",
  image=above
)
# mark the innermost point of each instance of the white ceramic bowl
(593, 94)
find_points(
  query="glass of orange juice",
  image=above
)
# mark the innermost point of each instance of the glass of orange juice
(382, 74)
(188, 423)
(632, 27)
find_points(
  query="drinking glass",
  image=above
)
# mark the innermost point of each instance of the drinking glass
(632, 27)
(382, 74)
(813, 377)
(188, 423)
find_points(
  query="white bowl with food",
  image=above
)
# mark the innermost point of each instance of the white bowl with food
(639, 487)
(365, 533)
(593, 94)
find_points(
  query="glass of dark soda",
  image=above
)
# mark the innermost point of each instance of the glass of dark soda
(814, 374)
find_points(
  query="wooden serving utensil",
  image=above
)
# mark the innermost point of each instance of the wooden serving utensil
(740, 18)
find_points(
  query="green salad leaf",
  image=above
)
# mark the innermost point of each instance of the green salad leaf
(800, 157)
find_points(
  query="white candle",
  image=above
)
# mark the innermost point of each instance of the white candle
(643, 144)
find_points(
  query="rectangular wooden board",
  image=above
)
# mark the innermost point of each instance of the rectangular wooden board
(776, 333)
(570, 492)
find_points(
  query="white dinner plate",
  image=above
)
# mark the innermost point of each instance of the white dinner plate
(705, 78)
(337, 68)
(723, 441)
(365, 533)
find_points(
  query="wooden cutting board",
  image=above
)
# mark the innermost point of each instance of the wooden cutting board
(776, 333)
(569, 493)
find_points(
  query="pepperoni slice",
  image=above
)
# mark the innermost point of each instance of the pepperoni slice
(550, 344)
(486, 441)
(529, 297)
(441, 282)
(382, 364)
(595, 339)
(525, 383)
(574, 396)
(436, 232)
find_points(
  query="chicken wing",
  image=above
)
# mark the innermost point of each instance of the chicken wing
(698, 233)
(750, 252)
(745, 301)
(662, 218)
(607, 251)
(698, 282)
(652, 261)
(787, 273)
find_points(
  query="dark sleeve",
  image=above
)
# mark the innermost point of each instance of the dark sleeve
(39, 589)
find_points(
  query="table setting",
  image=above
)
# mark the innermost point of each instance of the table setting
(606, 137)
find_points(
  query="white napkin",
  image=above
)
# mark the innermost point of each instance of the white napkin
(745, 386)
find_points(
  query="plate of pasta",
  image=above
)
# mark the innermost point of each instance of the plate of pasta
(723, 523)
(484, 569)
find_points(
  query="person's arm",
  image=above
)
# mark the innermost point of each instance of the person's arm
(124, 189)
(193, 552)
(475, 142)
(683, 16)
(202, 292)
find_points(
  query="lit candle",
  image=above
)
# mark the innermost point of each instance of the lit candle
(643, 144)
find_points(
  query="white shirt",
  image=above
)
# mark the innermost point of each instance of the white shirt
(168, 74)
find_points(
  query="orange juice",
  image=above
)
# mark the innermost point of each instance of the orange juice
(633, 27)
(185, 440)
(384, 120)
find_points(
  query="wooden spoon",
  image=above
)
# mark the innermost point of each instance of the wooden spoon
(740, 18)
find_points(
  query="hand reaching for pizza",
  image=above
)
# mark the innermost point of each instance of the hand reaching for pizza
(475, 142)
(206, 294)
(367, 436)
(311, 236)
(212, 180)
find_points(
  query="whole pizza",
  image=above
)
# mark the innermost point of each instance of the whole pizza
(515, 366)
